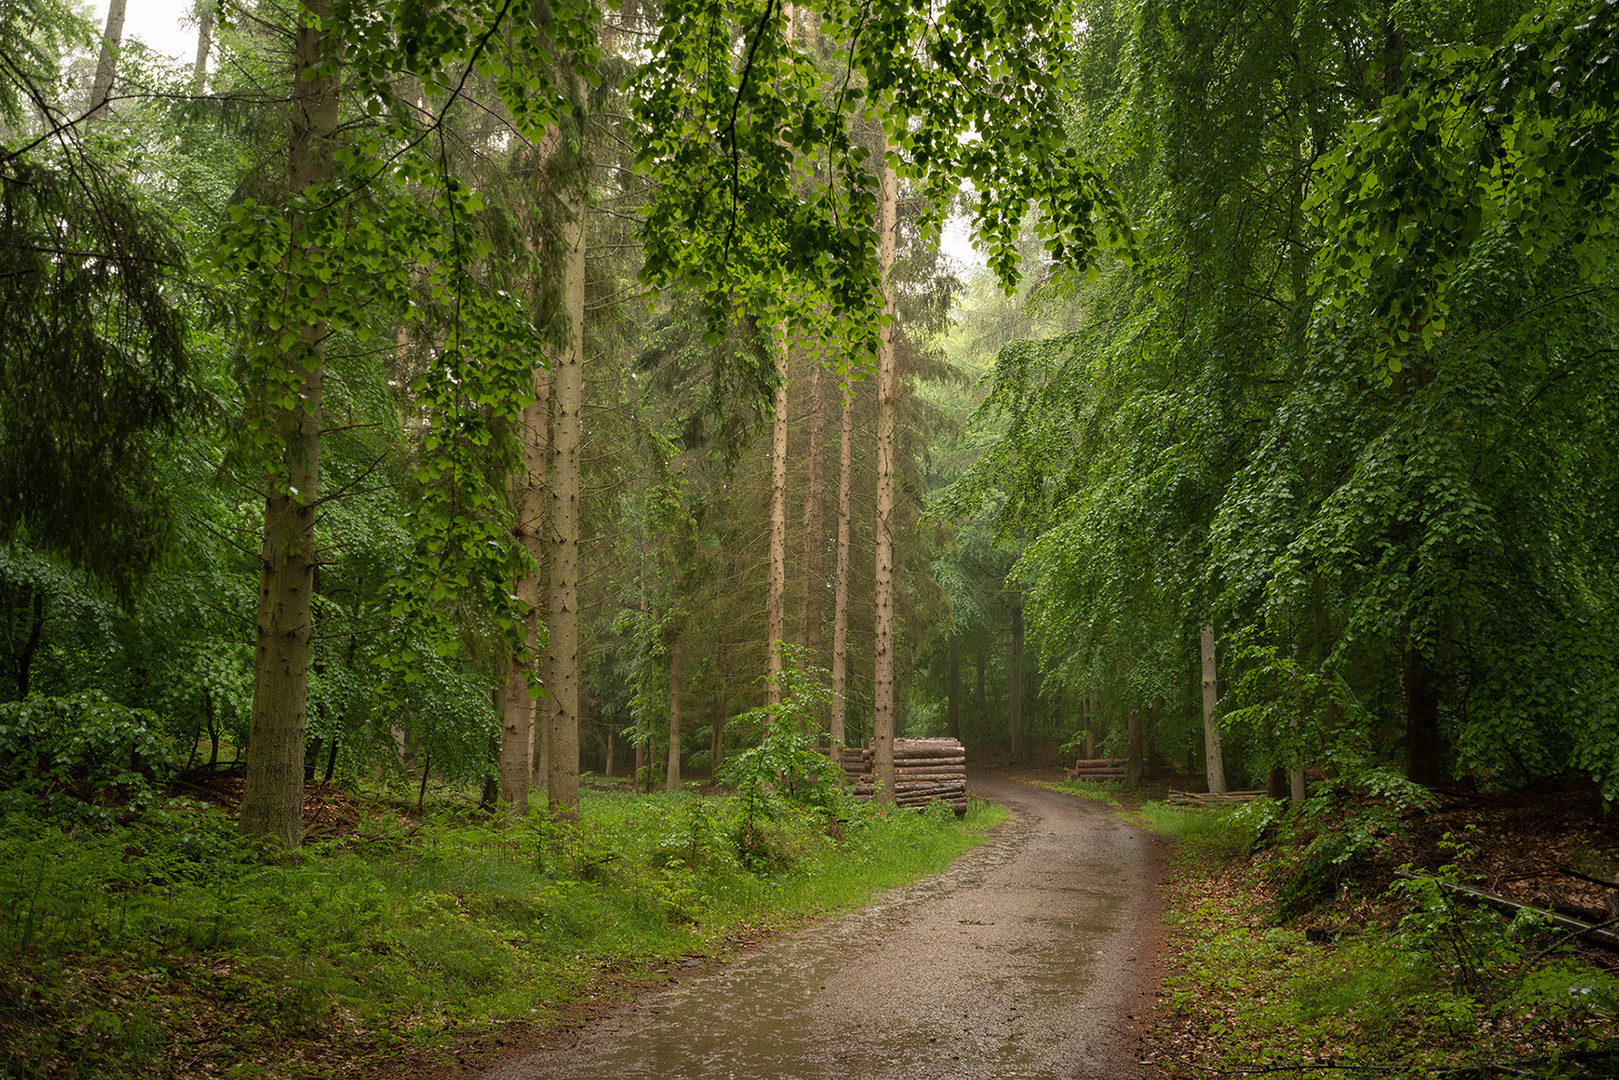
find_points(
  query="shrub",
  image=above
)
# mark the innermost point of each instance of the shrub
(80, 756)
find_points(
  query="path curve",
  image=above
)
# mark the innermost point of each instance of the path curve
(1023, 960)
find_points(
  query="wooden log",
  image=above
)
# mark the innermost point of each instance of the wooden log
(1584, 931)
(1101, 763)
(943, 770)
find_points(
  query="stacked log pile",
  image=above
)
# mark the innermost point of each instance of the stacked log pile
(1204, 798)
(1098, 769)
(925, 770)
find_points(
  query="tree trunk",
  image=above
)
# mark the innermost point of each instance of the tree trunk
(952, 713)
(522, 740)
(1015, 685)
(980, 695)
(532, 518)
(882, 691)
(568, 388)
(1133, 771)
(776, 604)
(809, 603)
(840, 592)
(1213, 755)
(205, 42)
(272, 801)
(672, 783)
(1422, 745)
(112, 41)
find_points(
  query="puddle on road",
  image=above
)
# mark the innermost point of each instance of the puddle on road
(995, 969)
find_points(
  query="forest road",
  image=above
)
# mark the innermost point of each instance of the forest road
(1025, 959)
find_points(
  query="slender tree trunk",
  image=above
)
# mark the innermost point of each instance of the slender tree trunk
(809, 603)
(882, 691)
(840, 592)
(672, 782)
(112, 42)
(1132, 726)
(568, 389)
(776, 603)
(952, 714)
(1015, 684)
(272, 801)
(716, 730)
(980, 695)
(537, 537)
(206, 10)
(1213, 755)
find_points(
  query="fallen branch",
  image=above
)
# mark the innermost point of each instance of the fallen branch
(1594, 933)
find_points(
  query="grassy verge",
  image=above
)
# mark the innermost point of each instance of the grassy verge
(1361, 980)
(168, 947)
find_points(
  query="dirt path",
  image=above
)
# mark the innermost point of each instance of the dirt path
(1024, 960)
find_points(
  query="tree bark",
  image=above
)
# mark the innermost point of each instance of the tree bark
(1422, 745)
(1213, 755)
(568, 388)
(1015, 686)
(112, 41)
(1132, 724)
(840, 592)
(672, 780)
(952, 712)
(205, 42)
(882, 690)
(809, 602)
(776, 603)
(272, 801)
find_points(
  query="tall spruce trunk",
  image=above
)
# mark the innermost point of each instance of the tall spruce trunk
(840, 589)
(568, 390)
(882, 690)
(1014, 709)
(537, 447)
(809, 602)
(952, 715)
(272, 801)
(518, 742)
(1213, 755)
(672, 780)
(776, 602)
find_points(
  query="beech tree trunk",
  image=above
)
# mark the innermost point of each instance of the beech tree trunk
(112, 41)
(1213, 755)
(568, 390)
(272, 801)
(537, 449)
(882, 691)
(840, 591)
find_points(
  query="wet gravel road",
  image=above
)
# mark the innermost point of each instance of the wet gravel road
(1021, 961)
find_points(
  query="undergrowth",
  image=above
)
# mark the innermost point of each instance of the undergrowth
(1409, 981)
(165, 945)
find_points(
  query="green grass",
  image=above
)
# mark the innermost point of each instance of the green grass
(167, 946)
